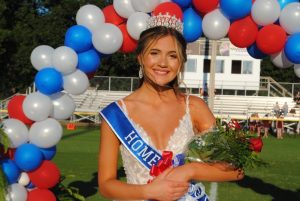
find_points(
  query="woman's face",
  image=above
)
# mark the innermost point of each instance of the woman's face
(161, 61)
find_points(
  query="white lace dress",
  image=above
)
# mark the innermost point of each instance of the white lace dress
(137, 173)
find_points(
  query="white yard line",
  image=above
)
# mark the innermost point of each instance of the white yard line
(213, 191)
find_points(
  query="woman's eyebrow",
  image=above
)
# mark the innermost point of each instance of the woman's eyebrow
(171, 51)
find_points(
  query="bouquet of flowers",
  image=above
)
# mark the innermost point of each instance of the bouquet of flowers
(230, 144)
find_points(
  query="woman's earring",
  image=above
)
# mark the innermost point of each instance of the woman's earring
(141, 72)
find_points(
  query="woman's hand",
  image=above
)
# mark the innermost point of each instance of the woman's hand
(226, 167)
(163, 188)
(182, 173)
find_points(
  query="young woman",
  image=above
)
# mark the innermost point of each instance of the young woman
(166, 119)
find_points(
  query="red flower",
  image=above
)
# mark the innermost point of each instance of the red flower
(256, 144)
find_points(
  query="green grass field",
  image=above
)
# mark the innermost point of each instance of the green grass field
(280, 181)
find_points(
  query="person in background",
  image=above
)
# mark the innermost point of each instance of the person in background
(252, 123)
(204, 92)
(266, 123)
(276, 109)
(297, 98)
(285, 109)
(279, 127)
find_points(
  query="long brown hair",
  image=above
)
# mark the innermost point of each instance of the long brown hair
(149, 37)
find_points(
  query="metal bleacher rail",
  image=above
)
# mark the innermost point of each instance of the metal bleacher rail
(239, 105)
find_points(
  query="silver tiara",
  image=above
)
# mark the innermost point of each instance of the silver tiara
(165, 20)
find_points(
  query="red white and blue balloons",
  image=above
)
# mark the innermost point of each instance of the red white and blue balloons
(264, 27)
(90, 16)
(290, 18)
(79, 38)
(192, 25)
(236, 9)
(41, 57)
(292, 48)
(215, 25)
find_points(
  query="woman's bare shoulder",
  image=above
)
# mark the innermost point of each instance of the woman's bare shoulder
(201, 115)
(197, 102)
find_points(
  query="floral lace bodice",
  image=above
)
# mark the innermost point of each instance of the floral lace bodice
(137, 173)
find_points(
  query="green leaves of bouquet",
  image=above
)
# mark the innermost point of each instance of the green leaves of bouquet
(230, 145)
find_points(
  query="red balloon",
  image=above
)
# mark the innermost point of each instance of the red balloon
(45, 176)
(271, 39)
(15, 109)
(111, 16)
(205, 6)
(168, 7)
(129, 44)
(40, 195)
(242, 33)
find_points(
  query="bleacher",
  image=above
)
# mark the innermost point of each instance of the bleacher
(240, 107)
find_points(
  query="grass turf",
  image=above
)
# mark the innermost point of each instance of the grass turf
(280, 181)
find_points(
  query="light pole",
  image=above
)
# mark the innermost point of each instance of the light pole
(211, 87)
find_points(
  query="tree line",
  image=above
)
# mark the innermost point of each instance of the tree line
(26, 24)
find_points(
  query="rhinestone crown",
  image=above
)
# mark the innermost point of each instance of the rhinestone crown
(165, 20)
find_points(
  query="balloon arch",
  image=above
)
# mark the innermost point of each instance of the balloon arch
(264, 27)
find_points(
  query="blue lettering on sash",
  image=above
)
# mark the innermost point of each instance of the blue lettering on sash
(128, 135)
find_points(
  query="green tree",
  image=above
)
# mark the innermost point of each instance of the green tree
(279, 74)
(22, 28)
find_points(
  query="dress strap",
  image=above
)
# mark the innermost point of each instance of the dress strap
(123, 106)
(187, 101)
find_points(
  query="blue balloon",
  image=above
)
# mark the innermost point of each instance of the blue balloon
(30, 185)
(292, 48)
(236, 9)
(28, 157)
(78, 38)
(88, 61)
(183, 3)
(192, 25)
(254, 52)
(48, 153)
(10, 170)
(49, 81)
(283, 3)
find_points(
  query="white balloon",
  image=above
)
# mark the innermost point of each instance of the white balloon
(16, 192)
(41, 57)
(290, 18)
(124, 8)
(24, 179)
(64, 60)
(297, 70)
(37, 106)
(145, 6)
(163, 1)
(90, 16)
(215, 25)
(45, 134)
(16, 131)
(63, 104)
(136, 24)
(76, 83)
(265, 12)
(107, 39)
(280, 60)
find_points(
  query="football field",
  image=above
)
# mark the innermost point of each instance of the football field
(280, 181)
